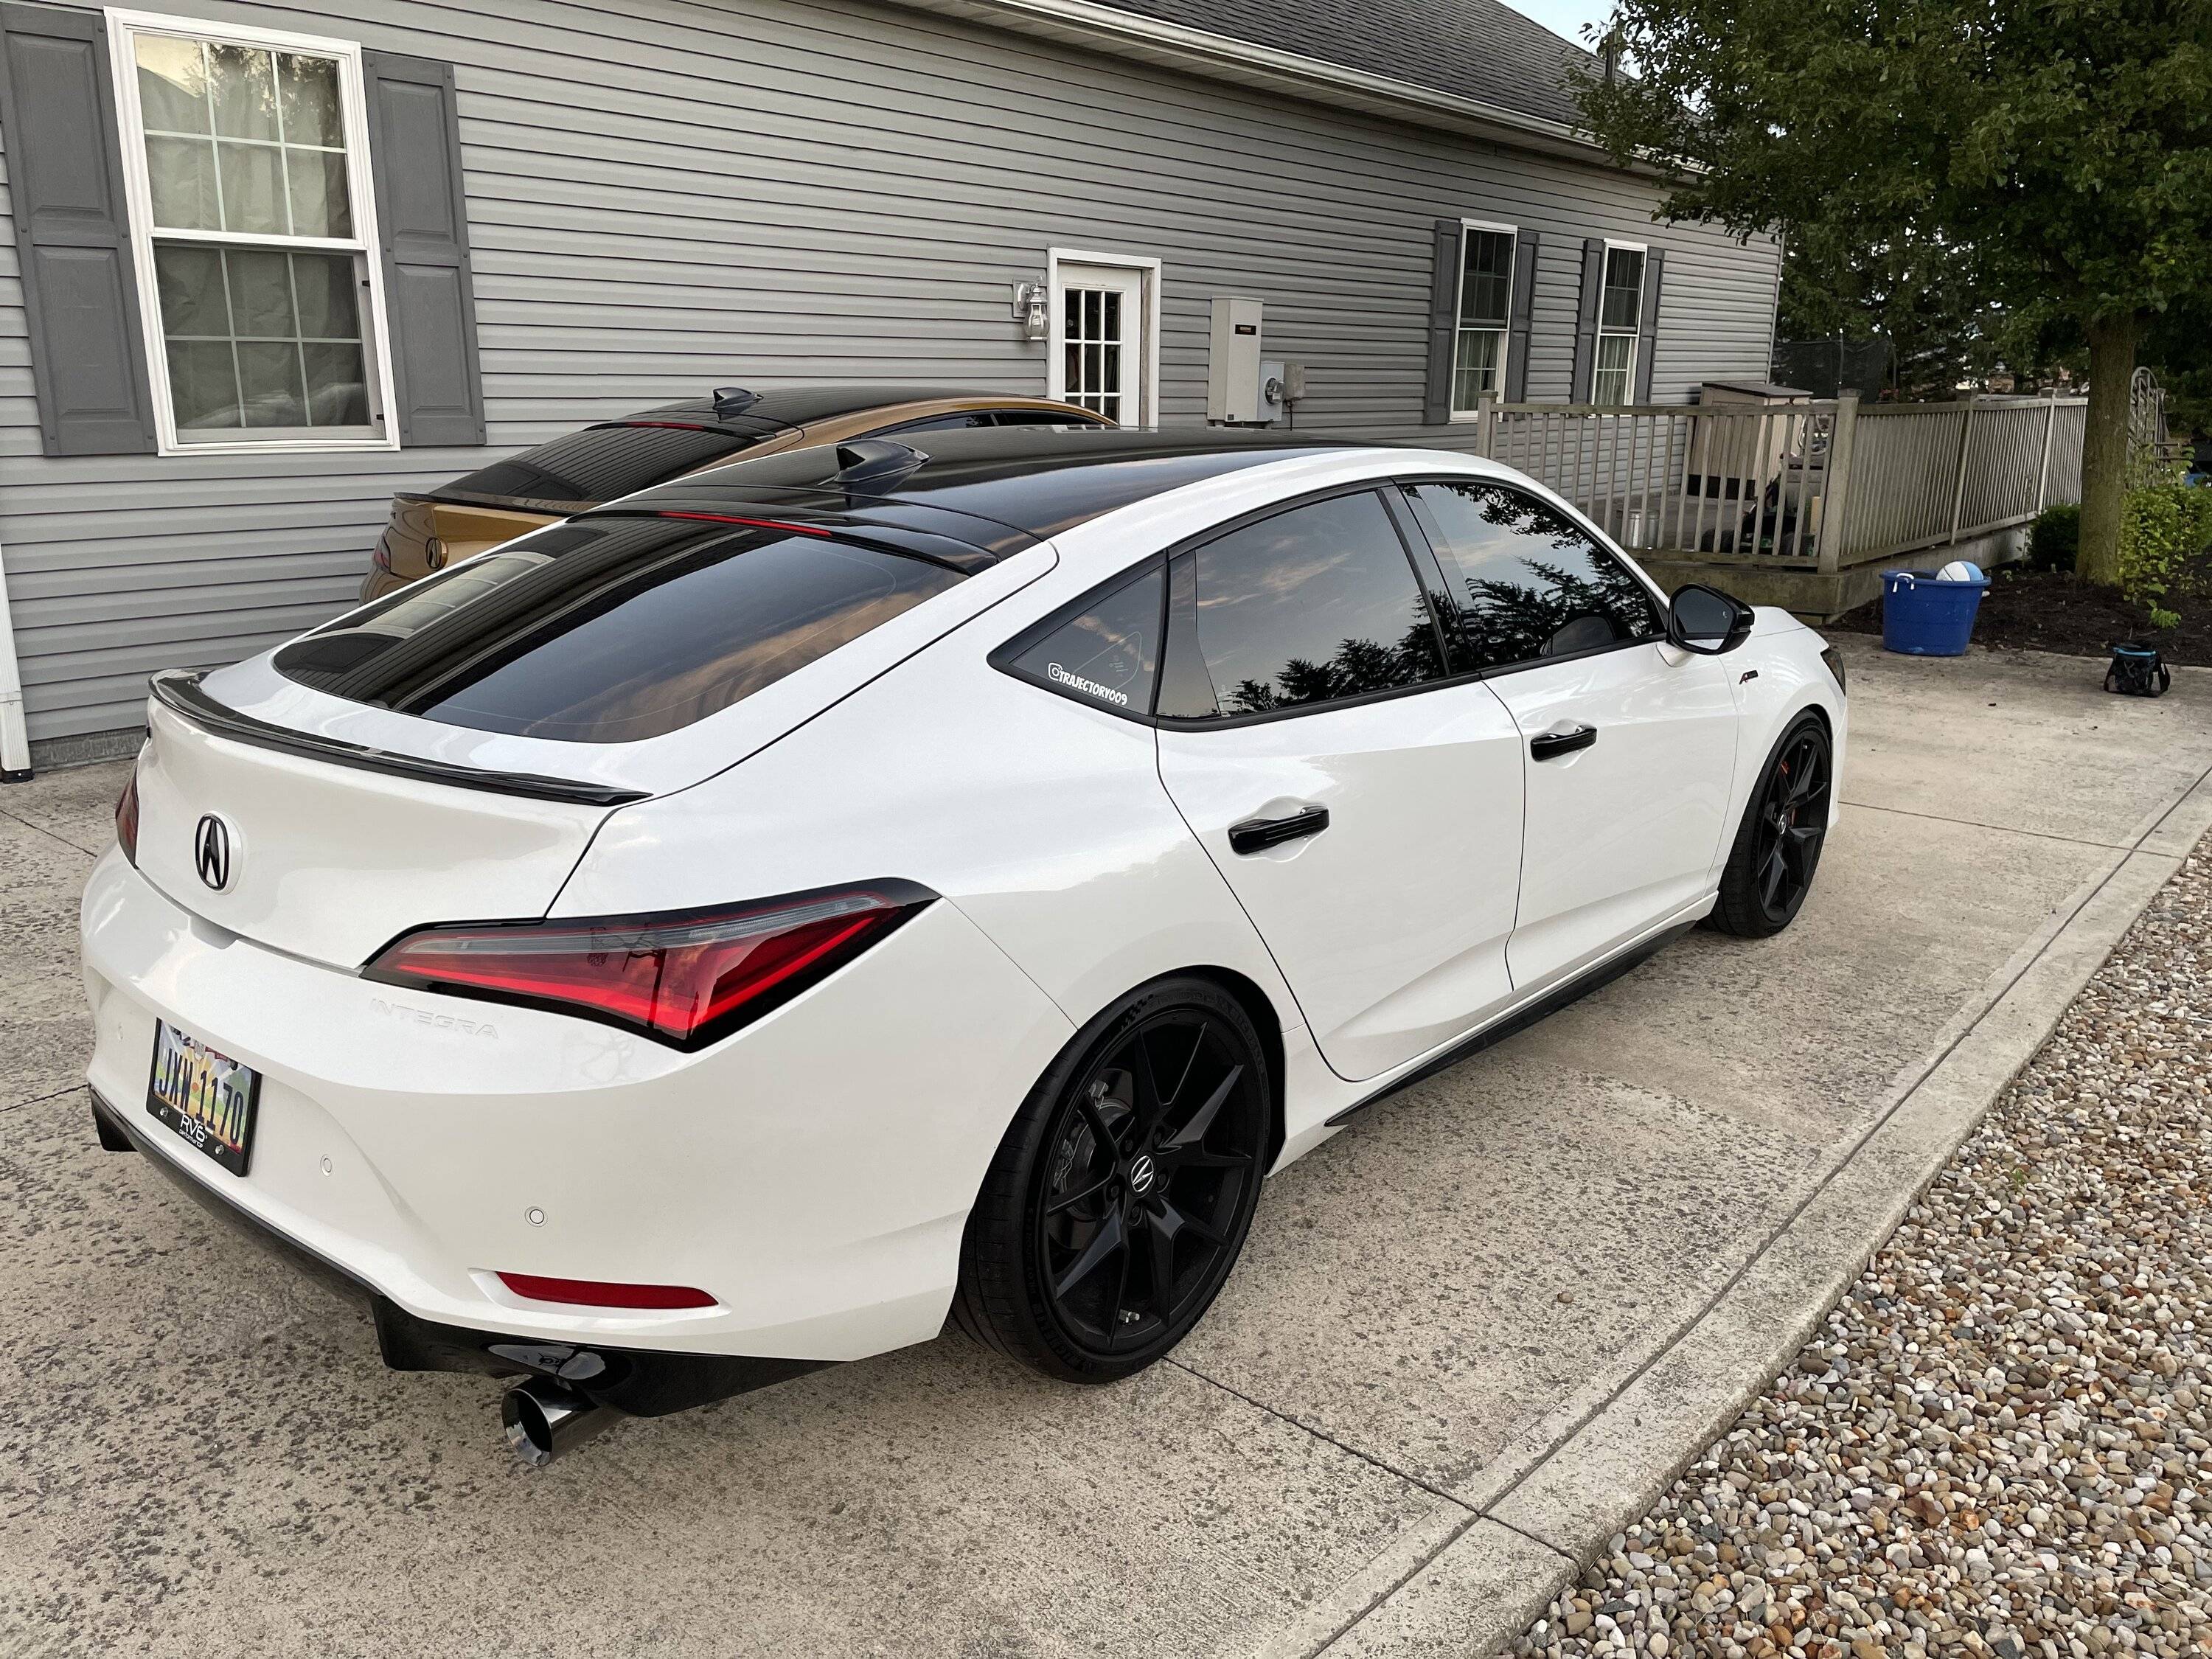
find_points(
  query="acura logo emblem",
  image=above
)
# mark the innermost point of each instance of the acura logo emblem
(1141, 1173)
(211, 852)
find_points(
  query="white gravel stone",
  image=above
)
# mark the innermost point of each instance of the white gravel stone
(1998, 1444)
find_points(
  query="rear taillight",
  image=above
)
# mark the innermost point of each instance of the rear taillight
(126, 818)
(687, 978)
(380, 557)
(598, 1293)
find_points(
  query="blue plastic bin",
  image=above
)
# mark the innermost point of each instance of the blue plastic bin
(1922, 616)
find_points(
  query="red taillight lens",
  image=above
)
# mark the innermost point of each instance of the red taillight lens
(597, 1293)
(686, 979)
(126, 819)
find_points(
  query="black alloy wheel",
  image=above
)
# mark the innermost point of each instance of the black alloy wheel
(1770, 870)
(1124, 1191)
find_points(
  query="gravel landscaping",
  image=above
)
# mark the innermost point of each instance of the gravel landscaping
(1999, 1443)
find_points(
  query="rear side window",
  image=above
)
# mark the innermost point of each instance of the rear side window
(1312, 605)
(1525, 583)
(612, 631)
(1106, 653)
(598, 464)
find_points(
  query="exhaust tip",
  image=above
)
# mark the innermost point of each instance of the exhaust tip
(542, 1418)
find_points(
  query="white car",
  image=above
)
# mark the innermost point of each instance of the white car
(728, 932)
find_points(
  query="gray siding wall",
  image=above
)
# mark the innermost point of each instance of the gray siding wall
(665, 195)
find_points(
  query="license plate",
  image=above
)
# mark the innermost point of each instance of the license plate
(208, 1098)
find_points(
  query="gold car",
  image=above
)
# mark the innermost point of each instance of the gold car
(536, 487)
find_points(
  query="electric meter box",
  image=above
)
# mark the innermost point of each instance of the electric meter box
(1232, 365)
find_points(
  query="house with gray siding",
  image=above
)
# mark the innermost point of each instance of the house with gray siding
(271, 263)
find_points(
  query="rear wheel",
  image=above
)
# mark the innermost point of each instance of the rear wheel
(1122, 1194)
(1777, 848)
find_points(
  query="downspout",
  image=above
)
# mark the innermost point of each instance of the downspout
(15, 736)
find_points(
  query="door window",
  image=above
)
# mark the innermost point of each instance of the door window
(1102, 338)
(1526, 583)
(1311, 606)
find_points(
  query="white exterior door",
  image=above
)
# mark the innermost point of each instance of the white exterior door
(1101, 337)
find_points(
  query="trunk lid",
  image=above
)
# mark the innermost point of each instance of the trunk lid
(331, 861)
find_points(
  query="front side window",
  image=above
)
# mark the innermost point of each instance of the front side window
(249, 214)
(1312, 605)
(1620, 313)
(1486, 303)
(1526, 583)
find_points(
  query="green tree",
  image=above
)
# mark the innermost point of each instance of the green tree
(2057, 153)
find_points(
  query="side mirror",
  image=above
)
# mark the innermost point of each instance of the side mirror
(1707, 621)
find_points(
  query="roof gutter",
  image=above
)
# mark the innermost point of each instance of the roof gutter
(1222, 58)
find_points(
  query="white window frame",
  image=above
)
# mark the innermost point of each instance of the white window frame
(123, 29)
(1634, 336)
(1505, 333)
(1148, 270)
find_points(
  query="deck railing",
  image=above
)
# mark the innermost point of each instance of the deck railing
(1823, 484)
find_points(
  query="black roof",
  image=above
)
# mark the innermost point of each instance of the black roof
(1001, 490)
(797, 405)
(1477, 49)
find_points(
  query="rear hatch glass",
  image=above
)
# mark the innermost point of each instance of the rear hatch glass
(613, 629)
(603, 462)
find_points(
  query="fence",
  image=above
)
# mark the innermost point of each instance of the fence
(1812, 485)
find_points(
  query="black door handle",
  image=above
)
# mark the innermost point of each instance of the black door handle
(1550, 745)
(1257, 835)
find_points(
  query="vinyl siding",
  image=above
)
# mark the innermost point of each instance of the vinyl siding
(665, 195)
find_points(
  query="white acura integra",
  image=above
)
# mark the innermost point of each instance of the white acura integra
(725, 932)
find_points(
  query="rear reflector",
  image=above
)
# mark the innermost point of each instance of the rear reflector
(685, 978)
(597, 1293)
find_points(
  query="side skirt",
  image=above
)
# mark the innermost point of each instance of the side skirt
(1521, 1019)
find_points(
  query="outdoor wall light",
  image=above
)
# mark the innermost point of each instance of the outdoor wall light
(1029, 310)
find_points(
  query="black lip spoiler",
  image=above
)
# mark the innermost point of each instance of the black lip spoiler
(181, 693)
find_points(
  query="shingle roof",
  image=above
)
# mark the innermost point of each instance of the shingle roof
(1476, 49)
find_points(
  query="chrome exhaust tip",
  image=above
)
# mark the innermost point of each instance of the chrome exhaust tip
(543, 1419)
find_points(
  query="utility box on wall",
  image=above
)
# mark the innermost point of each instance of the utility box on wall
(1232, 365)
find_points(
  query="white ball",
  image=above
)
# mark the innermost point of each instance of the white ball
(1960, 570)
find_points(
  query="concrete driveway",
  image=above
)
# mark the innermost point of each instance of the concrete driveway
(1431, 1308)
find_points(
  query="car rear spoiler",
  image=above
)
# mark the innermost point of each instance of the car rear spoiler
(180, 692)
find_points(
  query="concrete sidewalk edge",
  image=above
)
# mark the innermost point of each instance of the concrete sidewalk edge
(1473, 1590)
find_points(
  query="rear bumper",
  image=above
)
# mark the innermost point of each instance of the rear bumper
(640, 1381)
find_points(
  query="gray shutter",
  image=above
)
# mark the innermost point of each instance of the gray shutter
(1444, 320)
(72, 235)
(1524, 302)
(415, 148)
(1586, 320)
(1647, 323)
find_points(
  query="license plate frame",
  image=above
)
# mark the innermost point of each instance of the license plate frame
(204, 1097)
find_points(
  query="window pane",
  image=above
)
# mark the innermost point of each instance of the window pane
(180, 172)
(615, 630)
(261, 294)
(252, 190)
(316, 180)
(1624, 289)
(244, 84)
(329, 297)
(308, 89)
(172, 84)
(1616, 354)
(269, 376)
(203, 384)
(1309, 605)
(338, 385)
(1475, 373)
(1525, 583)
(192, 297)
(1107, 655)
(1486, 285)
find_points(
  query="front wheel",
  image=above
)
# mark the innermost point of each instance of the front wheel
(1778, 846)
(1122, 1194)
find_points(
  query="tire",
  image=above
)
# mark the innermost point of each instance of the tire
(1119, 1200)
(1778, 846)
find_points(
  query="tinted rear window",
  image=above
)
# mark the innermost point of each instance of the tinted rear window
(598, 464)
(613, 631)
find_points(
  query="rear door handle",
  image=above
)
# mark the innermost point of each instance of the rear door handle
(1257, 835)
(1550, 745)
